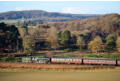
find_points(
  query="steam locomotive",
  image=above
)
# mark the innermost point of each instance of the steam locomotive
(70, 61)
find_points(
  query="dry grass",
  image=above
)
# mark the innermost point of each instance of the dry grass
(51, 66)
(61, 72)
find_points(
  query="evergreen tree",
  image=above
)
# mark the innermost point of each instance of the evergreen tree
(111, 42)
(66, 38)
(9, 35)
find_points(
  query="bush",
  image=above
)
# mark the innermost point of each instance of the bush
(68, 49)
(10, 59)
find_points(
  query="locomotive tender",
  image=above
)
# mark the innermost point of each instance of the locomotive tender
(70, 61)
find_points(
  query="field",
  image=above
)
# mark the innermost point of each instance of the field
(10, 70)
(57, 72)
(52, 75)
(11, 21)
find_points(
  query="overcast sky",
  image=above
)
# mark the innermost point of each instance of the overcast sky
(79, 7)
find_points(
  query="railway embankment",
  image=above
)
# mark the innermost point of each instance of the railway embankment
(52, 66)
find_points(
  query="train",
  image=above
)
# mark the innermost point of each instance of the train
(81, 61)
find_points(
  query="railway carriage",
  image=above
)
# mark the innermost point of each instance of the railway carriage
(99, 61)
(66, 60)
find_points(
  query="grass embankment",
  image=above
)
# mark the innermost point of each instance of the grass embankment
(107, 56)
(65, 55)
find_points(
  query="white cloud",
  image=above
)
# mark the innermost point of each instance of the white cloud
(20, 8)
(76, 10)
(24, 8)
(68, 10)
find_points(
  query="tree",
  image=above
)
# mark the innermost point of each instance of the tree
(25, 27)
(118, 44)
(9, 35)
(65, 39)
(29, 45)
(1, 42)
(73, 39)
(111, 42)
(53, 39)
(59, 34)
(96, 45)
(80, 42)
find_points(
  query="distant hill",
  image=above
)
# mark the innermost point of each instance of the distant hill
(43, 16)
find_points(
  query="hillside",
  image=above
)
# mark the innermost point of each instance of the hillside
(101, 26)
(88, 29)
(43, 16)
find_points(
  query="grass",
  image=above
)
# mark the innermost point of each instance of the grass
(51, 66)
(51, 75)
(66, 55)
(10, 21)
(55, 72)
(109, 56)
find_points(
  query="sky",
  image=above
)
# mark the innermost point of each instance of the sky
(74, 7)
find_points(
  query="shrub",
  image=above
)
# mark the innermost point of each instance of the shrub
(68, 49)
(10, 59)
